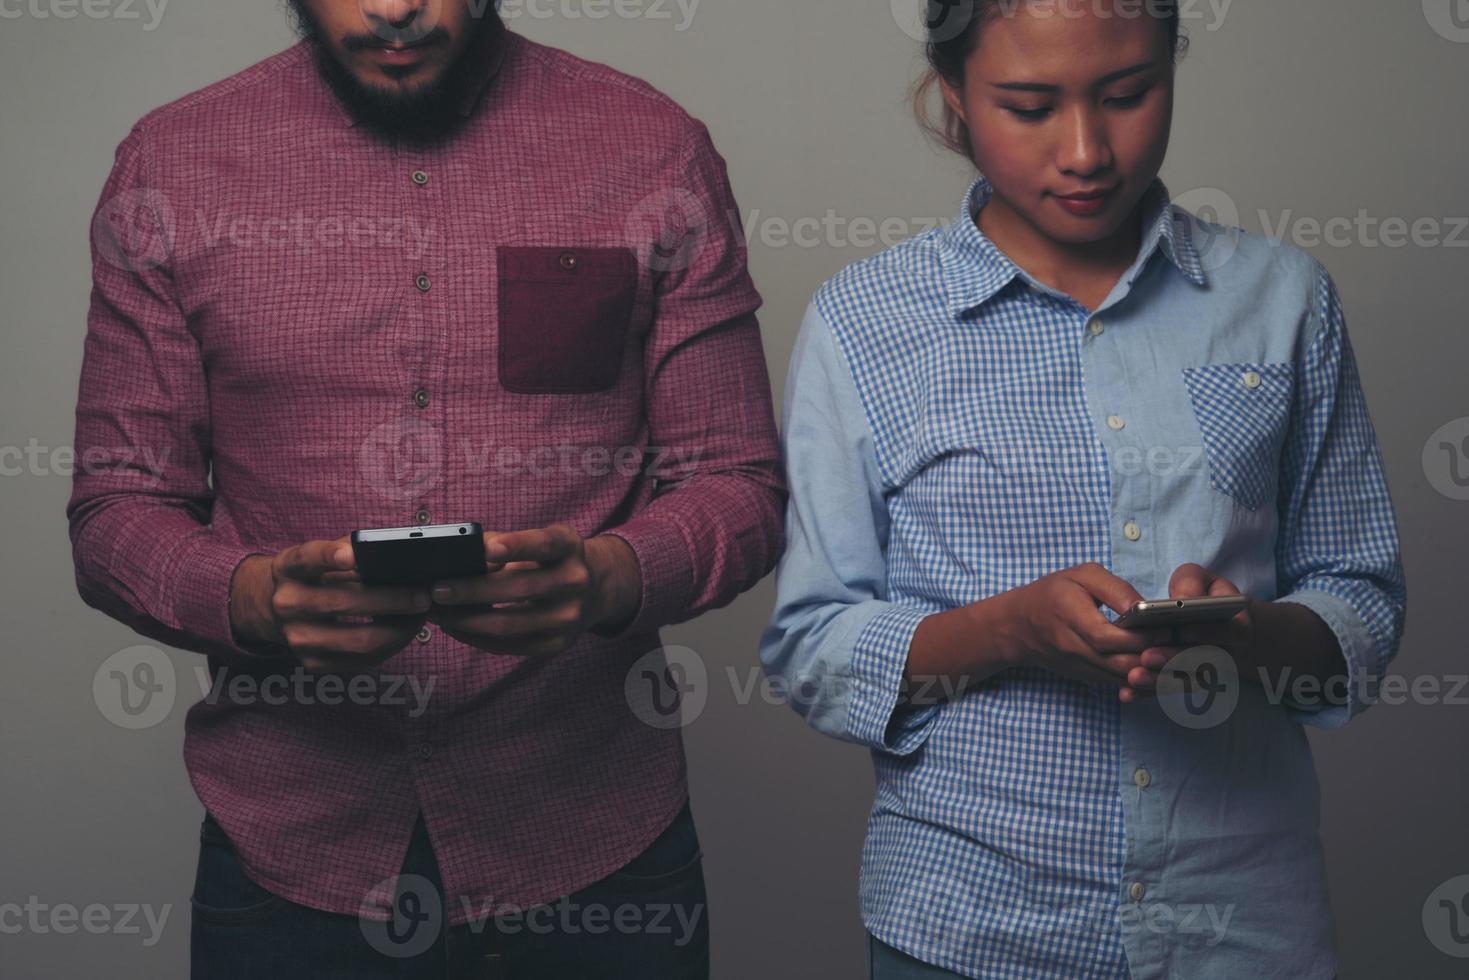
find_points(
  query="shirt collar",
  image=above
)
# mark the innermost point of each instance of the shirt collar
(485, 59)
(975, 269)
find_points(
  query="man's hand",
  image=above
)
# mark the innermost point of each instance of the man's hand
(544, 588)
(305, 599)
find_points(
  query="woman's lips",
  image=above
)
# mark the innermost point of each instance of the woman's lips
(1084, 207)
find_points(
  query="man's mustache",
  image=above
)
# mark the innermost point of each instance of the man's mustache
(387, 34)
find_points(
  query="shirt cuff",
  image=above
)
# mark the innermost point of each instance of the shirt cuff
(201, 605)
(1357, 648)
(666, 571)
(879, 660)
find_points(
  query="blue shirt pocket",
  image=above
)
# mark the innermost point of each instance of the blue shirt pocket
(1243, 411)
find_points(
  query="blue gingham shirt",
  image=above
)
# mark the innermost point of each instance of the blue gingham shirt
(954, 428)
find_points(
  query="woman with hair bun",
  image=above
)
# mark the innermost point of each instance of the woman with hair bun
(1002, 433)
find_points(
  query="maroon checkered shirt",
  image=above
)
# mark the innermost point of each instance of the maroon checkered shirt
(299, 328)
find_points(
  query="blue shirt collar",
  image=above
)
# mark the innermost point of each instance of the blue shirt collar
(975, 269)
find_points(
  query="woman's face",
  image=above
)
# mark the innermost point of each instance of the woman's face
(1061, 99)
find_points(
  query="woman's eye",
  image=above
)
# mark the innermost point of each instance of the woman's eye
(1128, 101)
(1030, 115)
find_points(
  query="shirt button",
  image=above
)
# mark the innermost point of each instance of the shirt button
(568, 261)
(1251, 379)
(422, 282)
(1096, 328)
(423, 516)
(426, 751)
(1132, 531)
(424, 635)
(1136, 891)
(420, 398)
(1115, 421)
(1142, 778)
(420, 178)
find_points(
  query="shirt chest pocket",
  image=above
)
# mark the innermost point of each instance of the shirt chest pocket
(1243, 411)
(564, 314)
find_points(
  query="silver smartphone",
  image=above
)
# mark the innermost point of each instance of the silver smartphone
(1182, 612)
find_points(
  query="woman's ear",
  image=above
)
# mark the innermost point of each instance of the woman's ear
(953, 98)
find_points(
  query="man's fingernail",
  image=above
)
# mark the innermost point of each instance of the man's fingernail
(442, 593)
(342, 556)
(495, 550)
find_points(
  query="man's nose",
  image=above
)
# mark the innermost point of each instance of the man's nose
(395, 15)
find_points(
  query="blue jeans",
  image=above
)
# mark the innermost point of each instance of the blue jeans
(647, 919)
(886, 963)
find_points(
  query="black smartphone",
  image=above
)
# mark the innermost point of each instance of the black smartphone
(1182, 612)
(419, 555)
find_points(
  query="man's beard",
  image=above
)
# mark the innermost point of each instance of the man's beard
(427, 111)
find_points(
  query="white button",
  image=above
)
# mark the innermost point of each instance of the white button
(1132, 531)
(1251, 379)
(1136, 891)
(1096, 328)
(1142, 778)
(1115, 421)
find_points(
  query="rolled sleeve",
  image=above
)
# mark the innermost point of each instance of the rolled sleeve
(834, 635)
(1338, 552)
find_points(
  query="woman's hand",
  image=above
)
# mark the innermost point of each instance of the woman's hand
(1056, 623)
(1236, 635)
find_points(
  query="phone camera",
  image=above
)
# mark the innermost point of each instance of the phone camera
(464, 530)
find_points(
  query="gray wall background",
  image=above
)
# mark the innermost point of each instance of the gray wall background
(1308, 109)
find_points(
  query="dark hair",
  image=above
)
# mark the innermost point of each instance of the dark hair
(950, 43)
